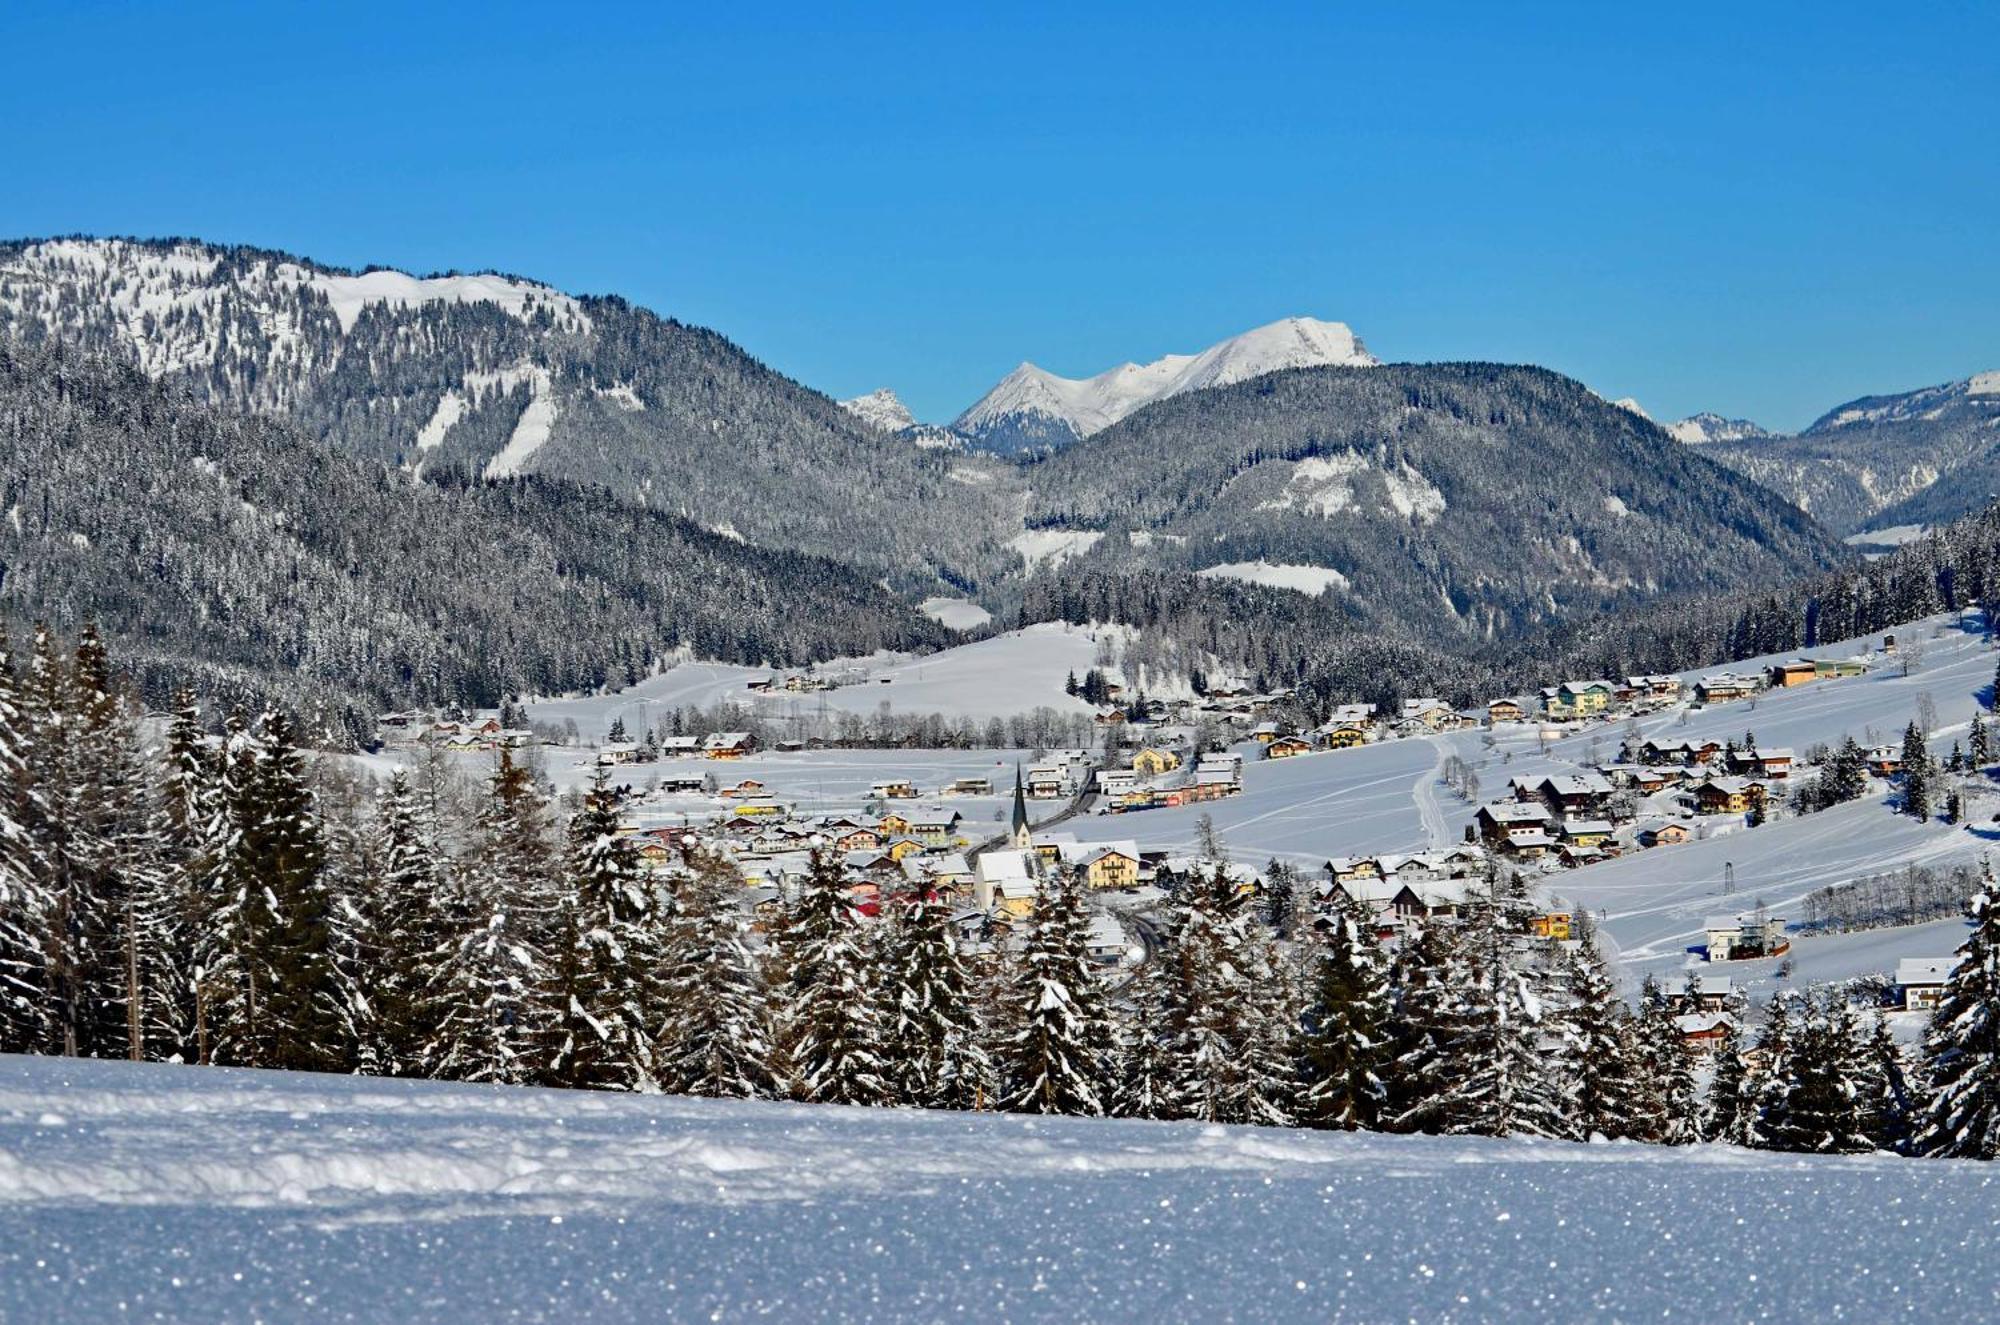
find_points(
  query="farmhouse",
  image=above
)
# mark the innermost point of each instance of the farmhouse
(1922, 980)
(728, 745)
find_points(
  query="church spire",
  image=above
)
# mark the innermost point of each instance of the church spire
(1019, 832)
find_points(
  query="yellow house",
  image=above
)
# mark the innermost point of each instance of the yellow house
(1553, 925)
(901, 847)
(1346, 737)
(1015, 898)
(1287, 746)
(1151, 762)
(1111, 868)
(894, 825)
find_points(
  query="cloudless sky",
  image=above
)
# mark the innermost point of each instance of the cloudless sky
(1763, 210)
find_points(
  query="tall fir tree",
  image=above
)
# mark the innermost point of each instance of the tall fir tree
(1670, 1109)
(1427, 1020)
(832, 1033)
(713, 1038)
(283, 1004)
(1050, 1058)
(491, 962)
(1918, 774)
(1144, 1085)
(1227, 1004)
(1961, 1115)
(932, 1049)
(1729, 1114)
(1344, 1044)
(402, 928)
(1979, 743)
(603, 958)
(1499, 1081)
(24, 903)
(1819, 1109)
(1598, 1041)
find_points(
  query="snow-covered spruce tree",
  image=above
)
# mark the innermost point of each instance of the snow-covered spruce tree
(1427, 1019)
(1961, 1117)
(59, 873)
(24, 1021)
(1729, 1113)
(1051, 1059)
(1229, 1010)
(481, 1001)
(604, 954)
(1820, 1111)
(281, 1003)
(1979, 743)
(190, 822)
(1499, 1081)
(1918, 774)
(1885, 1106)
(1769, 1087)
(1144, 1085)
(832, 1034)
(1344, 1044)
(714, 1036)
(1597, 1038)
(932, 1052)
(400, 929)
(1670, 1099)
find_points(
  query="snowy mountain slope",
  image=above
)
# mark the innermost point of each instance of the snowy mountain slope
(1031, 407)
(162, 1192)
(1920, 457)
(1458, 501)
(496, 376)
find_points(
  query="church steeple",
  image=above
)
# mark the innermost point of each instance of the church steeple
(1019, 835)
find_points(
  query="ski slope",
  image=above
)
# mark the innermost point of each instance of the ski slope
(154, 1192)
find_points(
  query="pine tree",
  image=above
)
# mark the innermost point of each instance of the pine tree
(1228, 1008)
(714, 1034)
(1847, 775)
(24, 904)
(402, 929)
(1961, 1118)
(1599, 1045)
(1979, 743)
(1819, 1111)
(832, 1035)
(191, 841)
(1769, 1090)
(932, 1051)
(1345, 1041)
(1670, 1112)
(1144, 1084)
(1884, 1104)
(1427, 1020)
(601, 959)
(1917, 776)
(481, 1000)
(1051, 1059)
(281, 1004)
(59, 876)
(1729, 1115)
(1499, 1082)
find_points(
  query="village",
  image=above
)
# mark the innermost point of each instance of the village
(986, 841)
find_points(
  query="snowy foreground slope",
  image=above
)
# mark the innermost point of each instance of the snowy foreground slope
(168, 1193)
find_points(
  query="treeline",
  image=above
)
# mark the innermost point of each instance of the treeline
(217, 902)
(1040, 728)
(235, 556)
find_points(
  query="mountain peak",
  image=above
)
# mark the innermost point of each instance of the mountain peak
(881, 408)
(1707, 426)
(1033, 407)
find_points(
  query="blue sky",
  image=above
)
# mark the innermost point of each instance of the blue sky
(1762, 210)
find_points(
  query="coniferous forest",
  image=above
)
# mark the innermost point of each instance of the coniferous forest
(205, 891)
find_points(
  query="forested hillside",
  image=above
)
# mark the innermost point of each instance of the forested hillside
(233, 551)
(1460, 502)
(497, 376)
(1921, 457)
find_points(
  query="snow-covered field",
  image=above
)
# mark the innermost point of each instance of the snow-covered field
(185, 1194)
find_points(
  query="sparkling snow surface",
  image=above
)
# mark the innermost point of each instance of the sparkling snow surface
(173, 1193)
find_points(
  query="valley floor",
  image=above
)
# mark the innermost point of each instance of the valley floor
(173, 1193)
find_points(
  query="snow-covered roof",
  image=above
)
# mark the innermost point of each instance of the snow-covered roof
(1924, 970)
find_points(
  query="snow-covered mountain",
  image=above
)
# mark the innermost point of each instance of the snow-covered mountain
(496, 377)
(1918, 457)
(1032, 408)
(1700, 429)
(881, 408)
